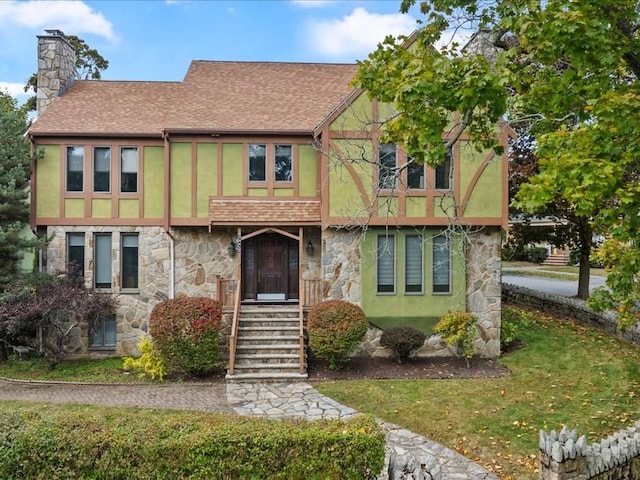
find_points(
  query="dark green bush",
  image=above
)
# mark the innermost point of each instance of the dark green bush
(403, 341)
(114, 444)
(335, 328)
(535, 254)
(186, 332)
(514, 321)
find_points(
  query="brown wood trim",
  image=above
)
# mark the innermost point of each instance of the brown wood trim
(141, 181)
(348, 100)
(323, 176)
(63, 178)
(245, 168)
(190, 222)
(260, 223)
(87, 184)
(349, 135)
(194, 179)
(456, 180)
(167, 182)
(269, 166)
(296, 173)
(103, 140)
(274, 230)
(115, 160)
(412, 221)
(33, 148)
(474, 180)
(357, 180)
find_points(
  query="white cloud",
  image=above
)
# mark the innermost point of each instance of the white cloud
(70, 16)
(15, 89)
(358, 33)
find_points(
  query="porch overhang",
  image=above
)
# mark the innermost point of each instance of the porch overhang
(263, 211)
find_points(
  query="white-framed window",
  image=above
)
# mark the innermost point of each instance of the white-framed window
(102, 260)
(75, 168)
(257, 162)
(129, 260)
(75, 254)
(386, 264)
(283, 165)
(387, 171)
(413, 264)
(128, 169)
(102, 169)
(444, 172)
(441, 263)
(102, 332)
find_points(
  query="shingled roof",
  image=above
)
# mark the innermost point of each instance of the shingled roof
(214, 96)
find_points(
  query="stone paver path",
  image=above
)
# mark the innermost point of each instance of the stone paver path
(275, 400)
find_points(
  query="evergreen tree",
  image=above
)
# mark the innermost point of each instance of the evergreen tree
(15, 173)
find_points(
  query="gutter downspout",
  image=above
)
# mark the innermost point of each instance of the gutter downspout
(167, 215)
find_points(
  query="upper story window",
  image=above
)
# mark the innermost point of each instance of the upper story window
(257, 163)
(75, 168)
(129, 169)
(443, 173)
(415, 175)
(283, 166)
(387, 178)
(102, 169)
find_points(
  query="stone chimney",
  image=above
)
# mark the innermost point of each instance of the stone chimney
(56, 67)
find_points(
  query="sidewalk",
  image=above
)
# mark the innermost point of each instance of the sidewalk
(274, 400)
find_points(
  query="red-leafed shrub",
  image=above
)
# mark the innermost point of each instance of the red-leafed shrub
(335, 328)
(186, 332)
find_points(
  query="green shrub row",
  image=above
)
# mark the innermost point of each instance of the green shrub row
(101, 443)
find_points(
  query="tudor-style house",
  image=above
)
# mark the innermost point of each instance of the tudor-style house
(257, 183)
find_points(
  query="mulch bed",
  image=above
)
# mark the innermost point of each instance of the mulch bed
(385, 368)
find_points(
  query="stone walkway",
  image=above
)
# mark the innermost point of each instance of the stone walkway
(296, 400)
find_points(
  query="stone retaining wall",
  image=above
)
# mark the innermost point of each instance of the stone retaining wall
(566, 307)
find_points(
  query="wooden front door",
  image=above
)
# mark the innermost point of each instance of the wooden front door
(270, 268)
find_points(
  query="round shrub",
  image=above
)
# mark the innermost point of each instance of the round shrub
(403, 341)
(459, 330)
(335, 328)
(186, 332)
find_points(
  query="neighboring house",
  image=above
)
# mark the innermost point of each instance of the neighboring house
(259, 175)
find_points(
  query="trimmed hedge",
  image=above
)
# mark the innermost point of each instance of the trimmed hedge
(111, 443)
(403, 341)
(185, 331)
(335, 328)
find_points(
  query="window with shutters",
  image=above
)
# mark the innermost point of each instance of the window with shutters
(413, 265)
(386, 267)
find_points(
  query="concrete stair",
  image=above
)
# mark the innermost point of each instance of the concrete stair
(557, 259)
(268, 345)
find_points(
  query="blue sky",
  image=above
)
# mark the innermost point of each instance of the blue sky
(157, 39)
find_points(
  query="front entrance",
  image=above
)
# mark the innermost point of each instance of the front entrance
(270, 268)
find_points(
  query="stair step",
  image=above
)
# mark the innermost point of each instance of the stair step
(267, 356)
(267, 377)
(267, 366)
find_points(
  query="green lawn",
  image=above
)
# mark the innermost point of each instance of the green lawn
(564, 374)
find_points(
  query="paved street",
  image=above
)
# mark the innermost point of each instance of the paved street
(567, 288)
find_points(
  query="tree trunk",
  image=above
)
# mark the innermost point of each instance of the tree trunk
(4, 357)
(585, 237)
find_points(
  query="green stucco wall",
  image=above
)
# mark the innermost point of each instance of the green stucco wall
(232, 163)
(357, 116)
(308, 168)
(48, 182)
(128, 208)
(153, 182)
(486, 198)
(345, 198)
(207, 176)
(74, 208)
(420, 310)
(101, 208)
(181, 180)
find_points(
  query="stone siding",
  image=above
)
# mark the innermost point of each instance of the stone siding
(341, 265)
(56, 68)
(200, 257)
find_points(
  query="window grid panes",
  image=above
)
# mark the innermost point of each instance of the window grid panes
(75, 168)
(415, 175)
(413, 264)
(129, 257)
(75, 254)
(102, 260)
(101, 169)
(103, 332)
(283, 166)
(443, 173)
(387, 166)
(386, 274)
(441, 264)
(257, 163)
(129, 169)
